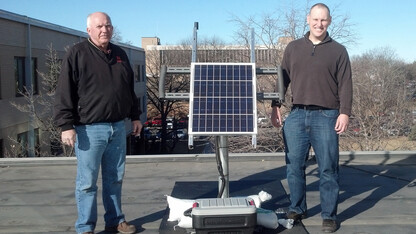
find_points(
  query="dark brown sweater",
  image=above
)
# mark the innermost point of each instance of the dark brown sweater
(319, 74)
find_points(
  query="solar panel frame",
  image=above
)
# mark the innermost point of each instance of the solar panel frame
(222, 99)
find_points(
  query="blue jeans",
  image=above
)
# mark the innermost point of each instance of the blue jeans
(312, 128)
(99, 144)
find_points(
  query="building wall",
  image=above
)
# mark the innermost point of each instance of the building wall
(150, 41)
(20, 33)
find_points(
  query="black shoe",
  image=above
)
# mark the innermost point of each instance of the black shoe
(295, 216)
(329, 226)
(123, 227)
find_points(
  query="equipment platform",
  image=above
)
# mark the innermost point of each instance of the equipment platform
(209, 189)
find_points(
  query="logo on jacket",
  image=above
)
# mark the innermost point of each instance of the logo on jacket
(118, 59)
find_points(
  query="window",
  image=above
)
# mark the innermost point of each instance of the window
(140, 74)
(23, 141)
(21, 149)
(137, 75)
(34, 77)
(143, 73)
(20, 75)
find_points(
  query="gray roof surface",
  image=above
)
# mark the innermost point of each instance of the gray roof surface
(378, 192)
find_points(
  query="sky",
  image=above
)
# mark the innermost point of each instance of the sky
(377, 23)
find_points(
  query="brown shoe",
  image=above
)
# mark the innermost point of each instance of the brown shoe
(295, 216)
(122, 227)
(329, 226)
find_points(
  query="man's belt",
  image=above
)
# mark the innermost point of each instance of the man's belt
(309, 107)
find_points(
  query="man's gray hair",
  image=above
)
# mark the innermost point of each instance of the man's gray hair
(89, 17)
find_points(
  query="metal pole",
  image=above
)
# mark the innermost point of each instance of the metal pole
(163, 69)
(222, 149)
(252, 47)
(280, 84)
(194, 42)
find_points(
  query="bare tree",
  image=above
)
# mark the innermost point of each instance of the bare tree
(116, 35)
(174, 84)
(381, 109)
(39, 106)
(118, 38)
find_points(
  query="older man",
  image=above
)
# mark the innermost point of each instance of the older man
(95, 95)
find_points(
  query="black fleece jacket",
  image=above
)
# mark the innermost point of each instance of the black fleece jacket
(95, 87)
(319, 74)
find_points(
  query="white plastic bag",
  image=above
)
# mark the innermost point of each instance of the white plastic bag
(177, 207)
(267, 218)
(287, 223)
(259, 198)
(185, 222)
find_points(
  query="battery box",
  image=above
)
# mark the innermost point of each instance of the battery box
(224, 215)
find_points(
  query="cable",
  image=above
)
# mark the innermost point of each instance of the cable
(220, 169)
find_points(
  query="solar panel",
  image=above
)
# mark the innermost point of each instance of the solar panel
(223, 99)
